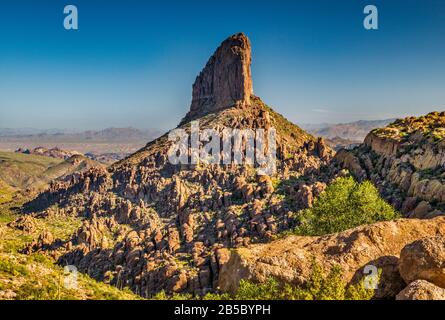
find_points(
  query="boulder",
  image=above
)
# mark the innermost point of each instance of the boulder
(421, 210)
(424, 259)
(25, 223)
(421, 290)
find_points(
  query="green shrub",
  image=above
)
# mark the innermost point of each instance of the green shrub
(269, 290)
(318, 287)
(11, 268)
(175, 296)
(344, 204)
(216, 296)
(49, 290)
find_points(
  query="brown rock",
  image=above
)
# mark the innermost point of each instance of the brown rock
(25, 223)
(173, 240)
(7, 295)
(433, 214)
(46, 238)
(409, 205)
(305, 196)
(424, 259)
(421, 290)
(266, 183)
(380, 145)
(179, 282)
(421, 210)
(226, 79)
(222, 256)
(347, 160)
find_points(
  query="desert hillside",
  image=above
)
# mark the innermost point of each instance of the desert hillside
(145, 227)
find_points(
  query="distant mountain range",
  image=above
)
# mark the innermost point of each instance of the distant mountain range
(120, 142)
(108, 135)
(353, 131)
(11, 132)
(105, 145)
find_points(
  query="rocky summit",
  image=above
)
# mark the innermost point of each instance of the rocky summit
(226, 79)
(151, 225)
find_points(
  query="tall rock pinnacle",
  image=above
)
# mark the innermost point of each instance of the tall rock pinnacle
(225, 80)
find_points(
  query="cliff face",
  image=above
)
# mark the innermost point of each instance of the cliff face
(406, 160)
(226, 79)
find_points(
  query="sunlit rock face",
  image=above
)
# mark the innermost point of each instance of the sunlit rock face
(226, 79)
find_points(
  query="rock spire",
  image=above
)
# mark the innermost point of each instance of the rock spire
(226, 79)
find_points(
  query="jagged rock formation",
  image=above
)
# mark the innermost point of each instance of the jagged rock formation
(226, 79)
(151, 225)
(25, 223)
(406, 161)
(380, 245)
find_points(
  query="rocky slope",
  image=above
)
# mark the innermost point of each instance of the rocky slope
(32, 173)
(406, 160)
(34, 276)
(151, 225)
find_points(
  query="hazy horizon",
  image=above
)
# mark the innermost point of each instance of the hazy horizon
(80, 130)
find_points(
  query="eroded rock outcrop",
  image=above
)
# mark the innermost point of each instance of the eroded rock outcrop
(226, 79)
(25, 223)
(290, 259)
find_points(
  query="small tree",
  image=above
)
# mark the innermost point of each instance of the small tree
(343, 205)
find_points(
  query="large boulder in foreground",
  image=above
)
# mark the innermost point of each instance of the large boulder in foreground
(290, 259)
(421, 290)
(424, 259)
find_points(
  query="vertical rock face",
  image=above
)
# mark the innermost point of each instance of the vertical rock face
(226, 79)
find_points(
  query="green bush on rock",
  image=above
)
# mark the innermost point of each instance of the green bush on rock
(344, 204)
(318, 287)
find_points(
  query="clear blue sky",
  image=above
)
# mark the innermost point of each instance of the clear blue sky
(133, 62)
